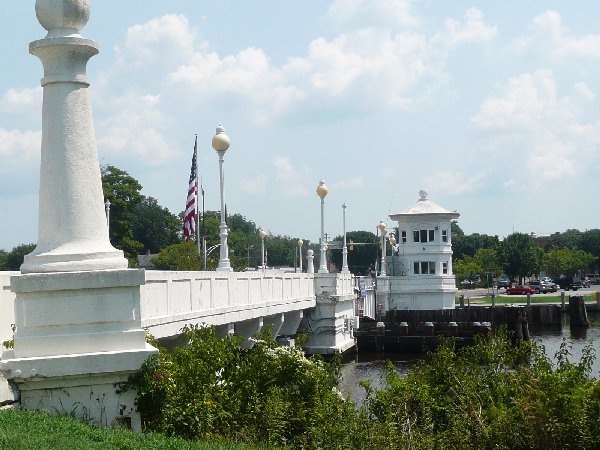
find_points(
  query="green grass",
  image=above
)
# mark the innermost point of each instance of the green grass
(35, 430)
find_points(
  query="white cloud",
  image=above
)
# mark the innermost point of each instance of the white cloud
(584, 90)
(527, 101)
(19, 146)
(550, 37)
(535, 134)
(137, 128)
(19, 161)
(247, 76)
(381, 13)
(284, 170)
(361, 71)
(454, 182)
(160, 42)
(21, 100)
(254, 186)
(291, 181)
(349, 184)
(472, 30)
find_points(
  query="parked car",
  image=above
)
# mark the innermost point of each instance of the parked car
(520, 290)
(540, 287)
(567, 283)
(503, 282)
(594, 278)
(551, 285)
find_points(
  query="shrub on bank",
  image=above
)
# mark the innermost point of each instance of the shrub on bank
(490, 395)
(213, 388)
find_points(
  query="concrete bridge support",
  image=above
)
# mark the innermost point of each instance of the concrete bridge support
(223, 331)
(330, 324)
(247, 329)
(274, 324)
(77, 307)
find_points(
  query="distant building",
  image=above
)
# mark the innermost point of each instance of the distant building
(145, 261)
(420, 272)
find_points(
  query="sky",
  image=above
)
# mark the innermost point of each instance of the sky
(491, 107)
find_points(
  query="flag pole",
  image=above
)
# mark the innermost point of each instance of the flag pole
(196, 218)
(203, 226)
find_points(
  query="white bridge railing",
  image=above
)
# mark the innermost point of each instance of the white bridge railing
(171, 300)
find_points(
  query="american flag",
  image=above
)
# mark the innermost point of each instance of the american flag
(189, 220)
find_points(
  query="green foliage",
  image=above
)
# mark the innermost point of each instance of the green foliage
(568, 239)
(490, 395)
(123, 192)
(520, 256)
(494, 394)
(3, 260)
(15, 257)
(363, 254)
(10, 343)
(456, 230)
(565, 261)
(587, 241)
(466, 268)
(182, 256)
(213, 388)
(154, 226)
(467, 245)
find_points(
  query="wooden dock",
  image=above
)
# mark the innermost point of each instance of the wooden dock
(421, 330)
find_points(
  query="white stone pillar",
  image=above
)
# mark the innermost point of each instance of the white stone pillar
(78, 328)
(72, 229)
(310, 256)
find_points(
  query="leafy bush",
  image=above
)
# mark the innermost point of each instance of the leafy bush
(213, 388)
(490, 395)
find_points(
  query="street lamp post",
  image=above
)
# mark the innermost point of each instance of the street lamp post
(322, 191)
(221, 142)
(262, 234)
(393, 244)
(383, 228)
(344, 248)
(107, 209)
(300, 242)
(248, 247)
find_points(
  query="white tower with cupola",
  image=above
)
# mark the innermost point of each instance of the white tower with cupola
(421, 269)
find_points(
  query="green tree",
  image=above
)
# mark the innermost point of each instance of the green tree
(3, 258)
(15, 257)
(123, 193)
(556, 261)
(487, 258)
(590, 242)
(570, 239)
(466, 268)
(363, 250)
(154, 226)
(564, 261)
(467, 245)
(582, 260)
(182, 256)
(455, 229)
(520, 257)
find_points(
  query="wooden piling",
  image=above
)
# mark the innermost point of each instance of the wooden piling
(577, 312)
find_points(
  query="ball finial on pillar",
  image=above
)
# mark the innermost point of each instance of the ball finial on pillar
(62, 17)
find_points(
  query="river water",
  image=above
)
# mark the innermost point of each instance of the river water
(371, 366)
